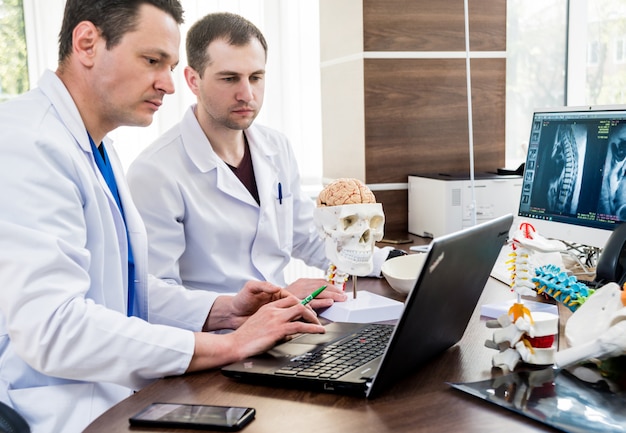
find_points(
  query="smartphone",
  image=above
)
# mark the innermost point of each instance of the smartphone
(193, 416)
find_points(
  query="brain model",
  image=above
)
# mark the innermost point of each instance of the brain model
(350, 221)
(345, 191)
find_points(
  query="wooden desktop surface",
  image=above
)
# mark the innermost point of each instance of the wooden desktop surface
(422, 402)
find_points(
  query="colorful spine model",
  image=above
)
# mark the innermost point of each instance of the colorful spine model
(521, 269)
(519, 335)
(564, 288)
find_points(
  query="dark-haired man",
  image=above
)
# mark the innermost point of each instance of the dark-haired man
(220, 194)
(81, 323)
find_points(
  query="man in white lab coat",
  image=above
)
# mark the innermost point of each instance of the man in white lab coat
(75, 336)
(221, 196)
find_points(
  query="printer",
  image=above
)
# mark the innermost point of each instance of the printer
(443, 203)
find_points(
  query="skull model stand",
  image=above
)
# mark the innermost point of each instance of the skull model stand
(350, 221)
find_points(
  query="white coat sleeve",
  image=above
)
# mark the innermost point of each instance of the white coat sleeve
(59, 317)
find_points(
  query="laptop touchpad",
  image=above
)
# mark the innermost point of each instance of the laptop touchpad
(303, 344)
(316, 338)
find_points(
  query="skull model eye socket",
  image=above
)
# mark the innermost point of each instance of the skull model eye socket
(349, 221)
(376, 222)
(350, 232)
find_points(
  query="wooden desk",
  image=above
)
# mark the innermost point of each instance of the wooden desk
(420, 403)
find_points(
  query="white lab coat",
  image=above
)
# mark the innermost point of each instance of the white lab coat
(67, 350)
(205, 229)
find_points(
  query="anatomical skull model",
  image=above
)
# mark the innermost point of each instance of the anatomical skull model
(349, 219)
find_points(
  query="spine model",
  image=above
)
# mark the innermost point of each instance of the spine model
(564, 288)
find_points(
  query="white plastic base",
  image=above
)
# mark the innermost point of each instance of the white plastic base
(499, 308)
(367, 307)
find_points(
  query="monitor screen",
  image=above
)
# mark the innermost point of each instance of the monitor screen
(574, 185)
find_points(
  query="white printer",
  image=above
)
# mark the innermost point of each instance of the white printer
(442, 203)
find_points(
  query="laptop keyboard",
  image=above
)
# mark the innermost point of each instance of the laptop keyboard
(337, 359)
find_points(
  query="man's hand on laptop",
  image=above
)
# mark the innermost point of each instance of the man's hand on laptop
(230, 312)
(262, 315)
(276, 322)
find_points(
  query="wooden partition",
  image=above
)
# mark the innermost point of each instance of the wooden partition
(394, 92)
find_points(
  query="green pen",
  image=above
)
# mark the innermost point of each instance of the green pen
(312, 295)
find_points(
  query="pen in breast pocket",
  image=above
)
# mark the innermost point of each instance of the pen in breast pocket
(280, 193)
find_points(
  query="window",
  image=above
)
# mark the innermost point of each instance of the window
(561, 53)
(535, 74)
(620, 50)
(606, 79)
(594, 52)
(13, 58)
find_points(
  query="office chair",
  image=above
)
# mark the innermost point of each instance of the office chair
(11, 421)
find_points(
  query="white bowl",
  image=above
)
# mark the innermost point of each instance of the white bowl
(401, 272)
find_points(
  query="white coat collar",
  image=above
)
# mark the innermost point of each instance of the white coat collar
(203, 156)
(52, 86)
(199, 148)
(54, 89)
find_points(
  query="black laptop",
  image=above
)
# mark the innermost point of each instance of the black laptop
(435, 316)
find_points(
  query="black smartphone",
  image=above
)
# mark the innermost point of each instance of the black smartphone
(193, 416)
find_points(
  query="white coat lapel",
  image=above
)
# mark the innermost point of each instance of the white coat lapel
(136, 231)
(206, 160)
(55, 90)
(265, 172)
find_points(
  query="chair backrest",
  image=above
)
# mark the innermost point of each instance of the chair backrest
(11, 421)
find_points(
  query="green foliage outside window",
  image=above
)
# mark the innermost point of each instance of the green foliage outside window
(13, 56)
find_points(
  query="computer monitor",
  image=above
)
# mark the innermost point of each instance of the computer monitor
(574, 185)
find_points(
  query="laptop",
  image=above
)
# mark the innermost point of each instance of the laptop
(436, 313)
